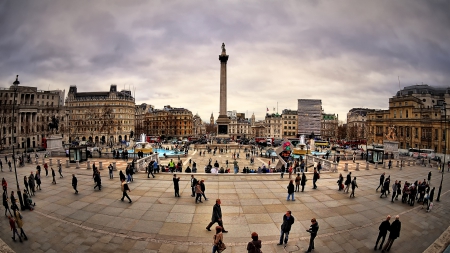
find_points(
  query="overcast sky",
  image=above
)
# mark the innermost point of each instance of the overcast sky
(346, 53)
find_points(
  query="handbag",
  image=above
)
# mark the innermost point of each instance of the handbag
(260, 251)
(221, 246)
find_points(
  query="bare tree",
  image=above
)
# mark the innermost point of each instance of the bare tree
(342, 131)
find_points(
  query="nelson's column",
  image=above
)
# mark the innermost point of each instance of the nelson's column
(223, 121)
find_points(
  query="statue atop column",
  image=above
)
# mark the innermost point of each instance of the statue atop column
(223, 48)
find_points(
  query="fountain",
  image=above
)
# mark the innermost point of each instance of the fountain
(301, 148)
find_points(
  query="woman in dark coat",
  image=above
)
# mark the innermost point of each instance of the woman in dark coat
(303, 181)
(37, 178)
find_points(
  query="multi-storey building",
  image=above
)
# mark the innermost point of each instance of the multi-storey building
(105, 117)
(239, 126)
(329, 129)
(170, 122)
(309, 116)
(289, 123)
(416, 118)
(273, 125)
(141, 125)
(198, 128)
(33, 111)
(356, 123)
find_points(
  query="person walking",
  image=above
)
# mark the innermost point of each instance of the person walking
(45, 167)
(176, 185)
(218, 239)
(25, 182)
(303, 181)
(5, 203)
(339, 182)
(254, 246)
(193, 185)
(198, 193)
(60, 171)
(125, 188)
(348, 181)
(4, 185)
(110, 170)
(74, 183)
(121, 176)
(297, 182)
(288, 220)
(389, 164)
(429, 177)
(202, 185)
(354, 185)
(150, 169)
(1, 165)
(98, 181)
(283, 170)
(394, 190)
(9, 164)
(313, 229)
(12, 225)
(383, 228)
(291, 190)
(216, 216)
(315, 178)
(19, 221)
(394, 233)
(381, 182)
(53, 175)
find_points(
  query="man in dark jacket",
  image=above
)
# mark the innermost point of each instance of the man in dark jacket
(429, 177)
(313, 230)
(384, 227)
(348, 180)
(288, 220)
(216, 217)
(74, 183)
(176, 185)
(194, 182)
(291, 190)
(315, 178)
(381, 182)
(394, 233)
(303, 181)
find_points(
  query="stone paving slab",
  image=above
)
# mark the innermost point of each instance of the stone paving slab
(157, 222)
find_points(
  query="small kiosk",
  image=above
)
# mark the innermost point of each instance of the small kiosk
(375, 154)
(78, 153)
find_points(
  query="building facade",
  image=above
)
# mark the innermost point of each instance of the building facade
(170, 122)
(309, 117)
(330, 124)
(240, 127)
(356, 123)
(273, 125)
(105, 117)
(417, 117)
(33, 111)
(289, 123)
(198, 126)
(141, 126)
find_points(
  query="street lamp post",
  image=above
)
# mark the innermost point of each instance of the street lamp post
(16, 84)
(445, 152)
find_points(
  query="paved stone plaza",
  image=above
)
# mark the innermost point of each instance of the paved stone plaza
(156, 221)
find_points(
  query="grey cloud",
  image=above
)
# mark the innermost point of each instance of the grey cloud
(347, 53)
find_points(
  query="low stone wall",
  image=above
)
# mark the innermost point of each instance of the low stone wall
(440, 244)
